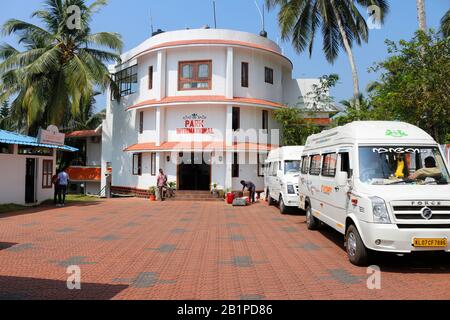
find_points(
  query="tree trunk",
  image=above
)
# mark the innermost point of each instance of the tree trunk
(351, 58)
(421, 15)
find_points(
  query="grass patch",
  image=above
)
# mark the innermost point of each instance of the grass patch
(6, 208)
(70, 198)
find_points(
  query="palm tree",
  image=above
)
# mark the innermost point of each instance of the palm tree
(421, 15)
(445, 24)
(340, 21)
(87, 118)
(61, 65)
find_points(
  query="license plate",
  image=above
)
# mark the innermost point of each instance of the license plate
(432, 243)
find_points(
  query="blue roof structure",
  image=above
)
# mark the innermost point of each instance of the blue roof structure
(15, 138)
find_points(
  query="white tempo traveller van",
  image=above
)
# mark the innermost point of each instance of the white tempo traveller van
(384, 185)
(281, 177)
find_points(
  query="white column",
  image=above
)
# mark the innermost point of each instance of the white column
(160, 83)
(228, 169)
(159, 125)
(229, 89)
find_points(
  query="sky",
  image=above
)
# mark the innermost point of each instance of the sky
(131, 18)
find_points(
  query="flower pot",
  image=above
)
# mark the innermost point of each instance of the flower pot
(152, 198)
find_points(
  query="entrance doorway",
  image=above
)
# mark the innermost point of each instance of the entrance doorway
(194, 172)
(30, 181)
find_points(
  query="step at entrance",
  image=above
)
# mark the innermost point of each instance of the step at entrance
(193, 196)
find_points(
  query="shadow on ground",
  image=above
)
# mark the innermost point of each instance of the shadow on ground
(18, 288)
(47, 207)
(6, 245)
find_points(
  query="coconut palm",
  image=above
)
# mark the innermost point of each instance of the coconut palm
(421, 15)
(62, 64)
(87, 118)
(445, 24)
(340, 21)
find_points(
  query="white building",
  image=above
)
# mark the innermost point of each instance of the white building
(193, 94)
(26, 169)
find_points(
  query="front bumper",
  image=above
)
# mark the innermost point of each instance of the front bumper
(398, 240)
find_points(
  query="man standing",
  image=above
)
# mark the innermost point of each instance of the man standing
(63, 181)
(161, 182)
(55, 183)
(251, 188)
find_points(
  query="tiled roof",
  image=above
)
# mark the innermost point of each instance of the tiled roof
(83, 134)
(198, 146)
(207, 99)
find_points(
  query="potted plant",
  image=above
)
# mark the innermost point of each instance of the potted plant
(152, 192)
(214, 190)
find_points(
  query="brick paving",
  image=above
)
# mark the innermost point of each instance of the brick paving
(134, 249)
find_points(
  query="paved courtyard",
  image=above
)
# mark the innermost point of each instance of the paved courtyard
(133, 249)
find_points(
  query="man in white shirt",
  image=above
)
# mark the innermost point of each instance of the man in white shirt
(63, 181)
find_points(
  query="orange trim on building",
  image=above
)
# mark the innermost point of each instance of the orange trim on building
(210, 42)
(83, 134)
(198, 146)
(85, 173)
(319, 121)
(206, 99)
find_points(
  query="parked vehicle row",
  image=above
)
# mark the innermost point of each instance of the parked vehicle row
(383, 185)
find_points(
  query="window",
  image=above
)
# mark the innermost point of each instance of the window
(6, 148)
(235, 166)
(153, 164)
(127, 81)
(47, 174)
(329, 165)
(35, 151)
(315, 165)
(305, 165)
(236, 118)
(150, 77)
(195, 75)
(137, 164)
(265, 120)
(268, 75)
(141, 122)
(345, 163)
(244, 74)
(262, 157)
(291, 166)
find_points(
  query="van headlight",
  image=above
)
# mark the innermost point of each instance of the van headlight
(290, 189)
(380, 213)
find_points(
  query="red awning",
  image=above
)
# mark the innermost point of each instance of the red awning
(84, 173)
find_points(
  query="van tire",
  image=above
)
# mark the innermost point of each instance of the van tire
(283, 208)
(270, 200)
(357, 252)
(311, 222)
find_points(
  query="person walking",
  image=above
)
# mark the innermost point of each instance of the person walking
(63, 181)
(55, 183)
(161, 182)
(251, 188)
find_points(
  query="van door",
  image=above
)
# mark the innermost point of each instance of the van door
(330, 192)
(277, 180)
(340, 197)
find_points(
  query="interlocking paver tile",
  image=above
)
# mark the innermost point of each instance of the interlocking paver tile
(136, 249)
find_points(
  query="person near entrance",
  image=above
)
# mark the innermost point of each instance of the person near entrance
(161, 181)
(63, 182)
(55, 183)
(251, 188)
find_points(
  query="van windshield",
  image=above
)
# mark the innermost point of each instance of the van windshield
(291, 166)
(389, 165)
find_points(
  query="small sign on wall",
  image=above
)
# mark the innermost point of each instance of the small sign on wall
(51, 136)
(195, 124)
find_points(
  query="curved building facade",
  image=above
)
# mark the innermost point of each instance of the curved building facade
(197, 104)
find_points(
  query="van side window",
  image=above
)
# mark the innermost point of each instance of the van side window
(345, 163)
(315, 165)
(305, 165)
(329, 165)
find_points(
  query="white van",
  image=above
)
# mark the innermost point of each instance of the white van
(384, 185)
(281, 177)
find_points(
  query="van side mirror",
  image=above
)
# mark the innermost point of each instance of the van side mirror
(342, 178)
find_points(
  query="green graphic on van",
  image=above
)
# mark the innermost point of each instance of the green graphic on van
(396, 133)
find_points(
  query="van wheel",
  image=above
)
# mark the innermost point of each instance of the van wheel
(311, 222)
(283, 208)
(270, 200)
(357, 252)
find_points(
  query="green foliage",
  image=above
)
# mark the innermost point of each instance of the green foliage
(5, 117)
(445, 24)
(59, 67)
(414, 84)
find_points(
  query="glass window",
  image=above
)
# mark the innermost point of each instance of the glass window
(386, 165)
(315, 165)
(305, 164)
(150, 78)
(291, 166)
(153, 164)
(236, 125)
(195, 75)
(137, 164)
(127, 81)
(268, 75)
(244, 74)
(47, 174)
(6, 148)
(265, 120)
(329, 165)
(35, 151)
(235, 166)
